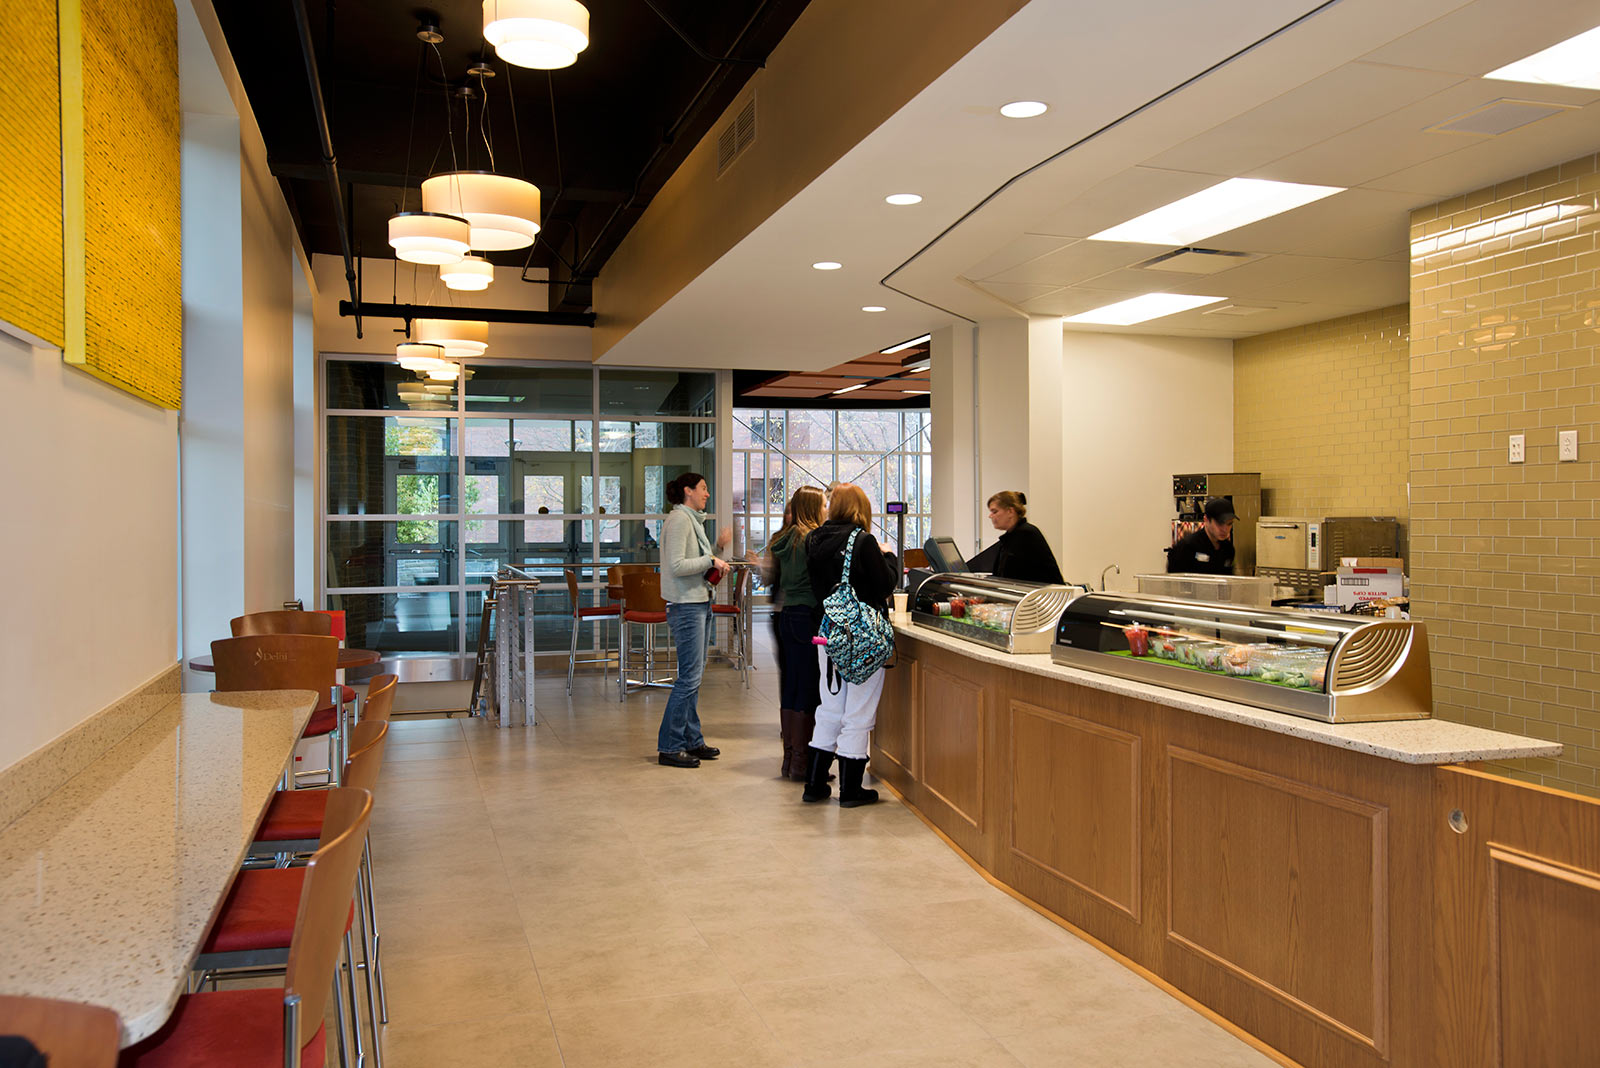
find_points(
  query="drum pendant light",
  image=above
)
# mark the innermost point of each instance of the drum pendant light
(430, 237)
(421, 358)
(543, 34)
(503, 211)
(460, 338)
(472, 274)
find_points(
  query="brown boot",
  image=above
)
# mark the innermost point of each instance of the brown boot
(805, 723)
(793, 761)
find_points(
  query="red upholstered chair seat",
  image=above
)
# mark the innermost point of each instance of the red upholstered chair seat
(644, 617)
(239, 1028)
(597, 610)
(348, 693)
(294, 816)
(323, 721)
(725, 609)
(259, 912)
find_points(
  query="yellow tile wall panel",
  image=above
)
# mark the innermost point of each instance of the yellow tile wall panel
(31, 277)
(1506, 565)
(132, 220)
(1323, 412)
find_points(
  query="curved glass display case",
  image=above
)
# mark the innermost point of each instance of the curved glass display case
(1335, 668)
(1018, 617)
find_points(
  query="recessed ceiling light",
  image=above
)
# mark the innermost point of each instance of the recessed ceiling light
(873, 308)
(1141, 309)
(892, 349)
(900, 199)
(1024, 109)
(1574, 62)
(826, 265)
(850, 389)
(1225, 206)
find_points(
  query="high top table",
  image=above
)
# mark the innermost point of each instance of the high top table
(110, 883)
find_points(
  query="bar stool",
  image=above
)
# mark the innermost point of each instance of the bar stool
(641, 603)
(263, 1028)
(733, 612)
(290, 662)
(291, 621)
(590, 614)
(65, 1032)
(252, 929)
(294, 824)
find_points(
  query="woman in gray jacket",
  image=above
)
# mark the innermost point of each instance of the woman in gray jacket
(686, 556)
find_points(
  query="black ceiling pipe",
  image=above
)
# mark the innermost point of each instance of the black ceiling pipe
(330, 162)
(450, 311)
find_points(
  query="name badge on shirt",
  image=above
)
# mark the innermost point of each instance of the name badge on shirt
(1204, 558)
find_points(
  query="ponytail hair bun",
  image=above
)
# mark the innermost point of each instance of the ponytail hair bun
(1015, 500)
(1022, 498)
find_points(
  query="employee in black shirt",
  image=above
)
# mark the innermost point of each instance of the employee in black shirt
(1209, 550)
(1021, 553)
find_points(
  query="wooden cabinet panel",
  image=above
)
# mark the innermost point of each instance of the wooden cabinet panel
(1516, 923)
(894, 736)
(950, 734)
(1284, 885)
(1074, 802)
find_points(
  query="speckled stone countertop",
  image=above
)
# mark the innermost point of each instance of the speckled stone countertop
(1412, 741)
(109, 883)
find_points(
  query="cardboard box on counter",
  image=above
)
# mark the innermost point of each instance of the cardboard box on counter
(1353, 585)
(1381, 563)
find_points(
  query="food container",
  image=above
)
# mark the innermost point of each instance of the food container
(1138, 640)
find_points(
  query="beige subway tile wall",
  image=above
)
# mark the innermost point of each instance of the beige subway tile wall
(1322, 411)
(1504, 562)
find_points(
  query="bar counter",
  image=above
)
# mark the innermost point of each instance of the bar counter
(1296, 877)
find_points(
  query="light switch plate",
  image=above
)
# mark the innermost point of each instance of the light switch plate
(1517, 452)
(1568, 445)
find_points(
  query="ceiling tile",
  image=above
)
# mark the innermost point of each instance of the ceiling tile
(1077, 262)
(1016, 292)
(1480, 37)
(1130, 194)
(1013, 254)
(1339, 226)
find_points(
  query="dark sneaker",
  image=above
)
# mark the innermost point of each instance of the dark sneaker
(705, 752)
(679, 759)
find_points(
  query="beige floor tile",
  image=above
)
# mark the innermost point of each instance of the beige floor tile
(1010, 993)
(458, 769)
(703, 1030)
(422, 931)
(988, 1054)
(449, 886)
(641, 965)
(754, 899)
(523, 1041)
(1115, 1040)
(816, 943)
(863, 1011)
(442, 990)
(695, 859)
(425, 750)
(970, 927)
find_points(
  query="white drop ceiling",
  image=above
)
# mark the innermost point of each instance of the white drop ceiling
(1150, 101)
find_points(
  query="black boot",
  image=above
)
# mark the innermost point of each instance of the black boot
(817, 788)
(793, 756)
(851, 793)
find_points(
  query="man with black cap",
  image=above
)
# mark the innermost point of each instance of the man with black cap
(1209, 550)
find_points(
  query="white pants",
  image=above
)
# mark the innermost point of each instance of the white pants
(844, 718)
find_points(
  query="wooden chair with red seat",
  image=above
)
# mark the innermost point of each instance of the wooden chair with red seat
(290, 662)
(581, 614)
(267, 1027)
(732, 612)
(290, 621)
(69, 1034)
(641, 603)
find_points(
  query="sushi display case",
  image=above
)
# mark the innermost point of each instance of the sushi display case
(1017, 617)
(1334, 668)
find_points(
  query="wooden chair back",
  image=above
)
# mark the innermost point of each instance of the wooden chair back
(380, 699)
(285, 622)
(641, 592)
(68, 1033)
(914, 558)
(367, 740)
(572, 588)
(330, 883)
(277, 662)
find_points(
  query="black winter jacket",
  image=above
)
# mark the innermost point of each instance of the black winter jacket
(873, 573)
(1026, 556)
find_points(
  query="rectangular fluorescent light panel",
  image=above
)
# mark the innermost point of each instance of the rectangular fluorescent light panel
(1225, 206)
(850, 389)
(1141, 309)
(1574, 62)
(892, 349)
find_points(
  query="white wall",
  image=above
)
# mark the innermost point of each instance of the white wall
(951, 408)
(90, 533)
(1137, 410)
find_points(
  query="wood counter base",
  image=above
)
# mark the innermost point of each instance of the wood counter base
(1292, 887)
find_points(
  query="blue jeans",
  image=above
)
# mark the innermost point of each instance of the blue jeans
(680, 723)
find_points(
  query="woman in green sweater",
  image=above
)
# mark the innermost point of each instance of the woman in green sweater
(784, 569)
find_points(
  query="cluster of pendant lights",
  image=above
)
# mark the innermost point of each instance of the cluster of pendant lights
(468, 212)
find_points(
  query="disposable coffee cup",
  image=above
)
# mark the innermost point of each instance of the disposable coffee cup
(900, 605)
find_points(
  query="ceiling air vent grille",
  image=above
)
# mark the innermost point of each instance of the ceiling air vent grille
(735, 137)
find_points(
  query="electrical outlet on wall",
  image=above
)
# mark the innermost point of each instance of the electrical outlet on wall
(1518, 451)
(1567, 446)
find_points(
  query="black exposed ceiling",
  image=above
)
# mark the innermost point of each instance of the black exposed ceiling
(627, 113)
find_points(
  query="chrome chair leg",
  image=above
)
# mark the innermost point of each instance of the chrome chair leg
(355, 1007)
(572, 654)
(341, 1035)
(377, 942)
(367, 967)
